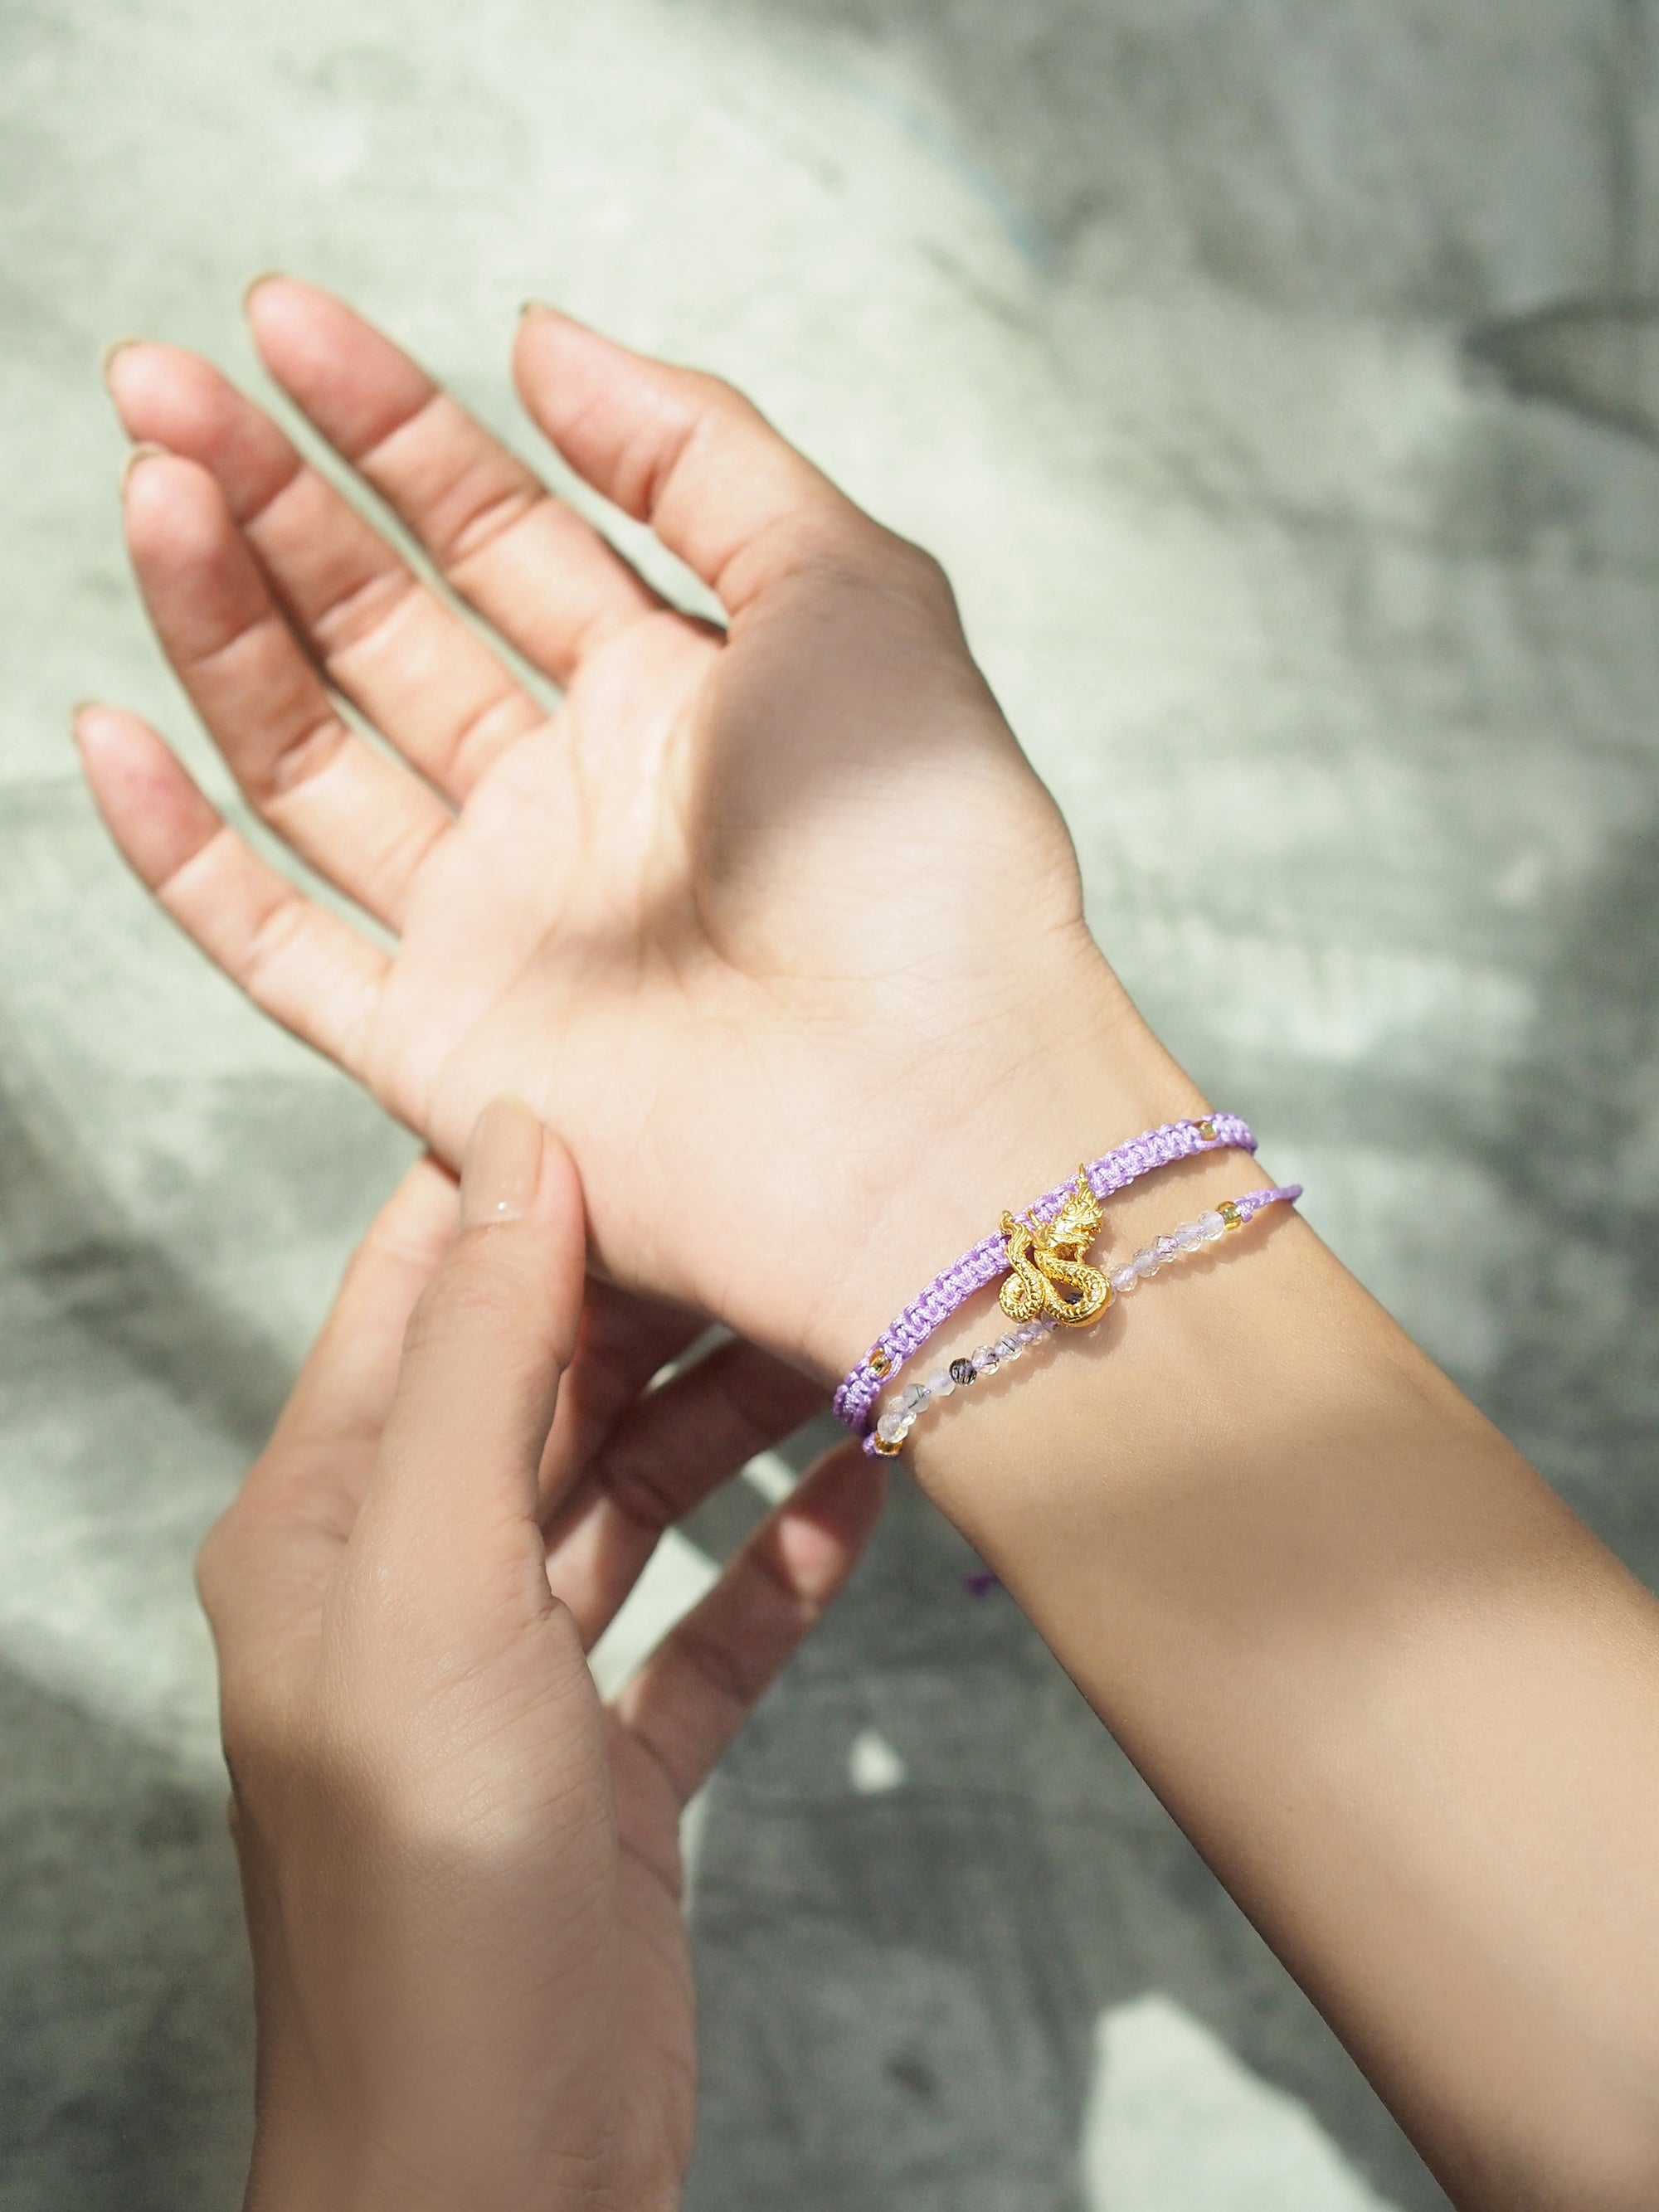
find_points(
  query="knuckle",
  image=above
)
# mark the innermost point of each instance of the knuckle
(718, 393)
(913, 566)
(214, 1579)
(725, 1665)
(461, 1301)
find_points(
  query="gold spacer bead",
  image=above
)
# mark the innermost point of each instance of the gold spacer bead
(880, 1362)
(885, 1450)
(1230, 1214)
(1208, 1132)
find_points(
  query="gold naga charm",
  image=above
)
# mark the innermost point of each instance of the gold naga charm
(1047, 1276)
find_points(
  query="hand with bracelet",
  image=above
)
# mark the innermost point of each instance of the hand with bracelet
(775, 928)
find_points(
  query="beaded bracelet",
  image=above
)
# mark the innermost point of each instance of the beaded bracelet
(887, 1439)
(1114, 1171)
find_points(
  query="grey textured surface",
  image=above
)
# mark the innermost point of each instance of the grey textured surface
(1280, 385)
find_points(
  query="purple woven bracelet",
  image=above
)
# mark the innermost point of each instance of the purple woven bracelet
(1113, 1170)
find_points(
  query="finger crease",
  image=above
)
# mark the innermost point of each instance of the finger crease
(304, 759)
(267, 618)
(722, 1665)
(661, 463)
(649, 1745)
(249, 517)
(638, 1499)
(273, 935)
(516, 708)
(203, 856)
(486, 527)
(352, 618)
(373, 455)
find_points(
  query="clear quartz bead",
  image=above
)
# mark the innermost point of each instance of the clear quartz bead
(986, 1360)
(916, 1397)
(1168, 1250)
(1212, 1226)
(891, 1427)
(1029, 1332)
(1189, 1234)
(1125, 1280)
(1009, 1346)
(1147, 1262)
(942, 1384)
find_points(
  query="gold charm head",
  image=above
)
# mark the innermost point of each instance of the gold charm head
(1047, 1274)
(1076, 1225)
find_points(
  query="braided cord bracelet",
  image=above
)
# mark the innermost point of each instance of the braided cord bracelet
(1114, 1170)
(887, 1439)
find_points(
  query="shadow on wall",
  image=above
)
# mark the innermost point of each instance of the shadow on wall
(1305, 155)
(1579, 1386)
(125, 2034)
(1598, 357)
(125, 2045)
(60, 1233)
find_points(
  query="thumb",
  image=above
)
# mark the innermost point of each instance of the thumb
(453, 1503)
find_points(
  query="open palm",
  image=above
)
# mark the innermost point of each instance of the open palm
(768, 923)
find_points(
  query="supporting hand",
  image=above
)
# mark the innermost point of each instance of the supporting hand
(462, 1875)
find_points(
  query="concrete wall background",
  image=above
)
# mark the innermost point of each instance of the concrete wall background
(1277, 382)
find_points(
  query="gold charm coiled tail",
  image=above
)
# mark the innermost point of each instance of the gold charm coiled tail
(1047, 1276)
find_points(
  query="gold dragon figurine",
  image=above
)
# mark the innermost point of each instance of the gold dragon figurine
(1048, 1274)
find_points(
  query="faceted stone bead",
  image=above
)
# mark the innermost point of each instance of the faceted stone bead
(1167, 1249)
(1125, 1280)
(941, 1385)
(916, 1397)
(891, 1427)
(1186, 1235)
(1147, 1262)
(962, 1370)
(986, 1361)
(1212, 1226)
(1031, 1332)
(1009, 1347)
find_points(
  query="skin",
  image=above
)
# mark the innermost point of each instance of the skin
(779, 932)
(462, 1873)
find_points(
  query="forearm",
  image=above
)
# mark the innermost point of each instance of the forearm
(1402, 1700)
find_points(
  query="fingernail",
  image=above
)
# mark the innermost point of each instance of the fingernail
(143, 451)
(503, 1162)
(265, 276)
(110, 352)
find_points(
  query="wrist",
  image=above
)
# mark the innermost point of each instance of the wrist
(1070, 1071)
